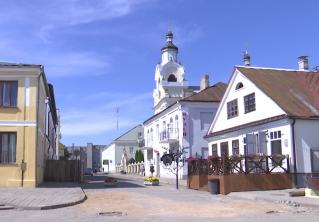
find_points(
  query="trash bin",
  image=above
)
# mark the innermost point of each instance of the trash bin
(214, 186)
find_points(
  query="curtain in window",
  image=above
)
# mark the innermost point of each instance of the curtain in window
(12, 147)
(262, 142)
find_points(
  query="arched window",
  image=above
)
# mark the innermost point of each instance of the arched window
(171, 124)
(176, 122)
(239, 85)
(172, 78)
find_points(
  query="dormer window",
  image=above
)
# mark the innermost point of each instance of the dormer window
(239, 85)
(172, 78)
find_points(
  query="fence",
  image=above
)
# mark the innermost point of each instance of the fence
(239, 164)
(63, 171)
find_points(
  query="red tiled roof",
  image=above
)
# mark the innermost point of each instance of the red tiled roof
(213, 93)
(296, 92)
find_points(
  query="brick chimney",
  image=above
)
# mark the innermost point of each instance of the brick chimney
(303, 63)
(204, 82)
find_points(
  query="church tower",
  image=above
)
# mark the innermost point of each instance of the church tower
(170, 81)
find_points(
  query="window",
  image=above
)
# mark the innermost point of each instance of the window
(172, 78)
(250, 104)
(232, 109)
(131, 150)
(235, 147)
(8, 147)
(214, 150)
(224, 149)
(205, 120)
(239, 85)
(176, 122)
(8, 93)
(157, 131)
(275, 144)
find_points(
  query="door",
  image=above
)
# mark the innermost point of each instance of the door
(224, 149)
(315, 160)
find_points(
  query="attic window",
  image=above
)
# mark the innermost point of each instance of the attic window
(172, 78)
(239, 85)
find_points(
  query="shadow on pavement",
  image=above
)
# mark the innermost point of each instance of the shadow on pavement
(94, 182)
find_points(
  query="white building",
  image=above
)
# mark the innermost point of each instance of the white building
(270, 111)
(183, 113)
(129, 141)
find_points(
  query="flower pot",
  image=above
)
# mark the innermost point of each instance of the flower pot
(151, 183)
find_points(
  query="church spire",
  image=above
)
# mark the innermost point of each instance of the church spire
(169, 50)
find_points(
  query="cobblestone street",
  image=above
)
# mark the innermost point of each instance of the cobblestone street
(135, 202)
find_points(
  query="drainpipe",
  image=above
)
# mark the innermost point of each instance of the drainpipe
(294, 151)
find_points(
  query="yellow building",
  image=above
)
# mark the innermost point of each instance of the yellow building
(28, 123)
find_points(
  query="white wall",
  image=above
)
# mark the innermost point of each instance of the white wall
(265, 107)
(109, 154)
(307, 138)
(282, 125)
(193, 141)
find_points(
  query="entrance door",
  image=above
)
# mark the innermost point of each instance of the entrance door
(224, 149)
(315, 160)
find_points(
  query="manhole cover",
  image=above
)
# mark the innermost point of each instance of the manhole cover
(111, 214)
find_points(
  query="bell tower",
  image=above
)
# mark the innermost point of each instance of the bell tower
(170, 82)
(169, 50)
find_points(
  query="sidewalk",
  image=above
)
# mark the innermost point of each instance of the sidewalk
(278, 196)
(170, 181)
(40, 198)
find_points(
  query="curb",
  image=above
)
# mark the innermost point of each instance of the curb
(48, 207)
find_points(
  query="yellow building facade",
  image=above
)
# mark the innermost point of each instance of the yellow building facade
(27, 124)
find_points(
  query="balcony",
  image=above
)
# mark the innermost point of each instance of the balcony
(169, 135)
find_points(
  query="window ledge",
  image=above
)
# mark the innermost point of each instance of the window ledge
(9, 165)
(8, 107)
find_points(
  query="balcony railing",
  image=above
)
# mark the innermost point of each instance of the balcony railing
(170, 134)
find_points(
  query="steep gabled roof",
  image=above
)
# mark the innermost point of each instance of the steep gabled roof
(213, 93)
(296, 92)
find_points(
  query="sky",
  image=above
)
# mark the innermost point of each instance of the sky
(100, 55)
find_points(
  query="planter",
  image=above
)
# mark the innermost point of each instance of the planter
(151, 183)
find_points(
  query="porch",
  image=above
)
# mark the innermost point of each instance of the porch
(240, 173)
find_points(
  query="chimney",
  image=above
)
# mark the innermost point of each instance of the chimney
(246, 58)
(303, 63)
(204, 82)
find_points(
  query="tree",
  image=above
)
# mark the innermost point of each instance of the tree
(131, 160)
(139, 156)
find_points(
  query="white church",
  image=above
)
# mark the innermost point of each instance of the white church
(182, 113)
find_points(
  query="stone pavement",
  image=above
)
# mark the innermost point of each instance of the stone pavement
(170, 181)
(40, 198)
(278, 196)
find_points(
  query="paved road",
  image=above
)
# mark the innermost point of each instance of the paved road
(162, 203)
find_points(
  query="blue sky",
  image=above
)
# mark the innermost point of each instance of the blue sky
(101, 54)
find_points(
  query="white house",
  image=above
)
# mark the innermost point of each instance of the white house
(270, 111)
(182, 113)
(129, 141)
